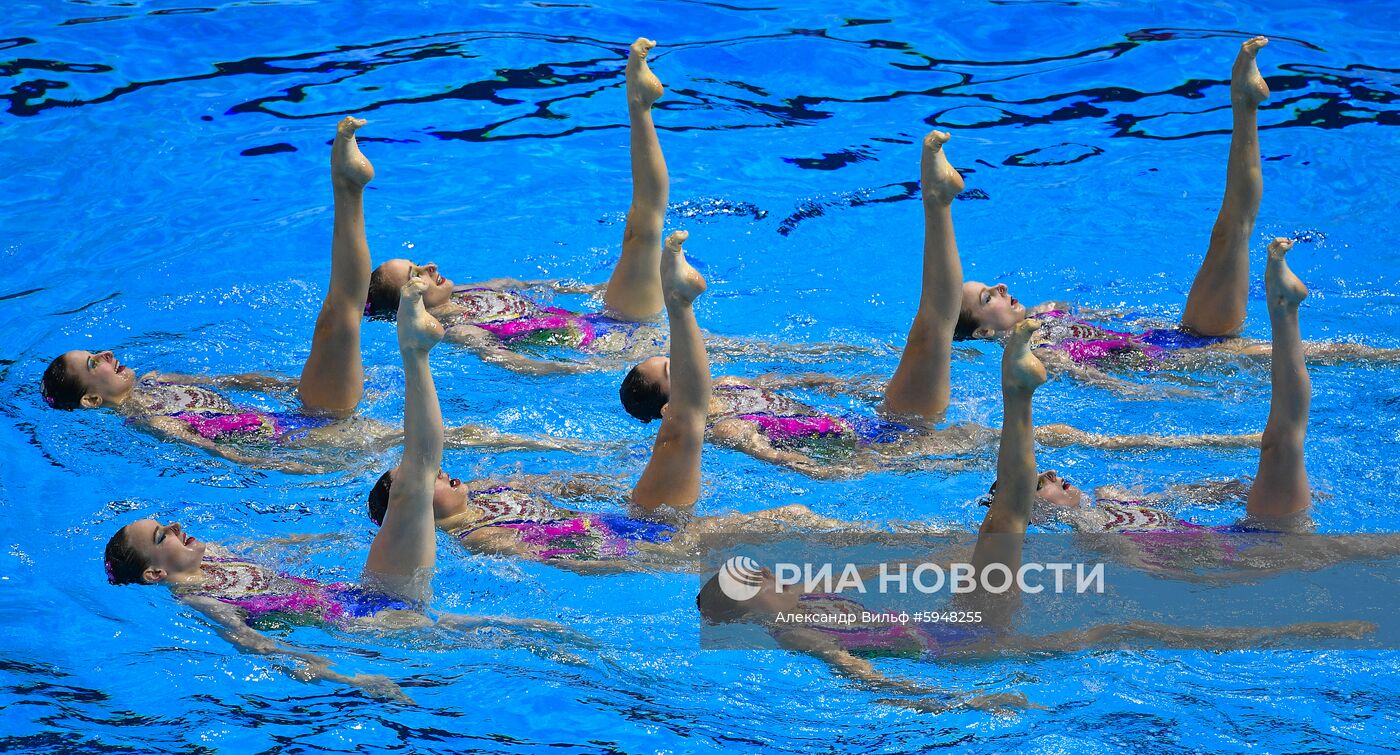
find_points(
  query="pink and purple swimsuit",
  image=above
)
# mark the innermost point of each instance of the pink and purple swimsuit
(784, 421)
(216, 418)
(270, 599)
(1087, 343)
(559, 533)
(517, 320)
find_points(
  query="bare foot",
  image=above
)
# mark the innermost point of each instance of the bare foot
(1284, 288)
(1247, 87)
(680, 282)
(941, 182)
(418, 330)
(1020, 369)
(349, 168)
(643, 88)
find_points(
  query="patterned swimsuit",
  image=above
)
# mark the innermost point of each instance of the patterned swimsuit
(517, 320)
(785, 422)
(271, 600)
(559, 533)
(1087, 343)
(216, 418)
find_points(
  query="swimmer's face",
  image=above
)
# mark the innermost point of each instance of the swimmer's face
(166, 548)
(1056, 490)
(396, 273)
(103, 378)
(657, 371)
(449, 496)
(992, 307)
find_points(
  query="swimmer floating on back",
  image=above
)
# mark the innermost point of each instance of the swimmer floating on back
(750, 416)
(847, 645)
(239, 594)
(1278, 501)
(498, 321)
(1215, 307)
(517, 517)
(191, 409)
(494, 318)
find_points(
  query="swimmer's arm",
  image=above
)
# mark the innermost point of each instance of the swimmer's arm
(1060, 363)
(742, 435)
(556, 285)
(314, 667)
(816, 381)
(730, 348)
(579, 486)
(1059, 435)
(490, 349)
(933, 699)
(843, 663)
(1176, 497)
(1339, 353)
(249, 381)
(173, 429)
(481, 436)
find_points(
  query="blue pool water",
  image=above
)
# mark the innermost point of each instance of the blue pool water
(164, 194)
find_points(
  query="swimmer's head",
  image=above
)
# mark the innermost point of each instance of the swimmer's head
(449, 497)
(87, 380)
(987, 311)
(1055, 490)
(718, 608)
(1050, 490)
(647, 388)
(148, 552)
(389, 278)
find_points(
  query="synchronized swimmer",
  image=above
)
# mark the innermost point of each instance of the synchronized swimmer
(192, 409)
(239, 594)
(656, 527)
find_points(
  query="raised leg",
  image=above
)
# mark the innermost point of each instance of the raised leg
(333, 378)
(920, 384)
(634, 291)
(1216, 304)
(1281, 484)
(404, 551)
(672, 474)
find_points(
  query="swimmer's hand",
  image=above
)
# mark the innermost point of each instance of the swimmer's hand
(536, 626)
(1021, 370)
(418, 330)
(376, 686)
(681, 284)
